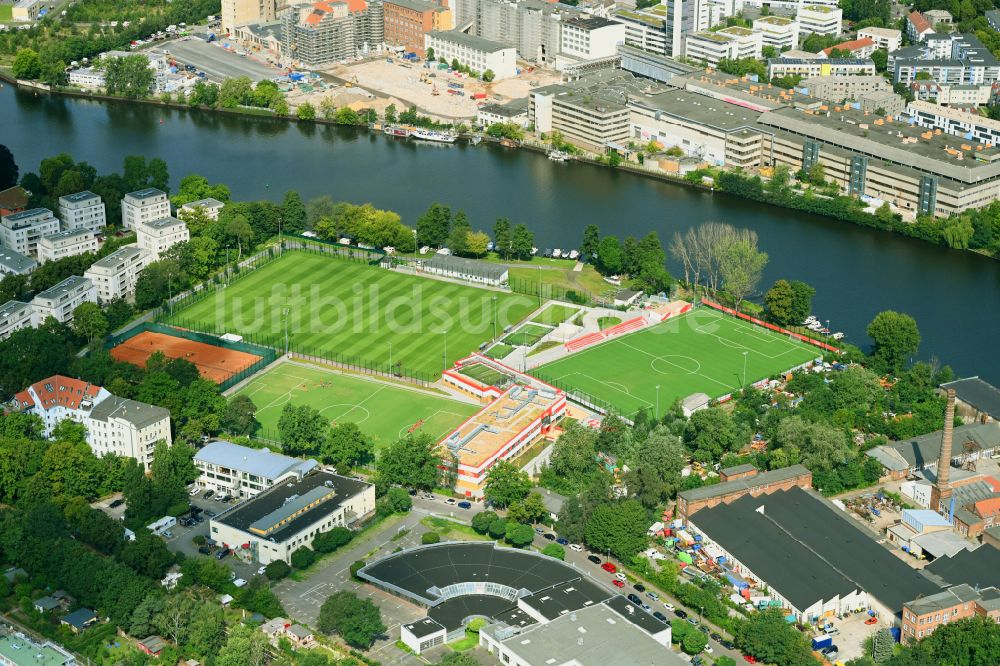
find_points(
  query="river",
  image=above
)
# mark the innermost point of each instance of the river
(857, 272)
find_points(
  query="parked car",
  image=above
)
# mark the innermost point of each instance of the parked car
(117, 503)
(640, 587)
(620, 576)
(708, 648)
(465, 505)
(660, 616)
(692, 621)
(239, 582)
(539, 530)
(609, 567)
(550, 536)
(210, 514)
(703, 629)
(617, 583)
(594, 558)
(204, 550)
(208, 493)
(669, 606)
(680, 613)
(262, 570)
(716, 637)
(749, 659)
(168, 535)
(451, 501)
(576, 547)
(653, 595)
(634, 599)
(562, 542)
(729, 645)
(194, 491)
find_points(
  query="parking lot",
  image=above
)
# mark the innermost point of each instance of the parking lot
(216, 62)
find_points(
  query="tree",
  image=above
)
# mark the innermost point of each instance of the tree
(235, 92)
(399, 500)
(89, 321)
(331, 540)
(277, 569)
(766, 636)
(239, 417)
(618, 528)
(428, 538)
(301, 429)
(129, 76)
(518, 535)
(741, 266)
(590, 244)
(410, 462)
(609, 256)
(529, 510)
(458, 237)
(476, 244)
(488, 75)
(482, 520)
(502, 237)
(882, 645)
(554, 550)
(357, 621)
(779, 301)
(346, 446)
(895, 339)
(389, 115)
(433, 226)
(8, 168)
(245, 646)
(505, 484)
(303, 557)
(694, 642)
(802, 295)
(293, 213)
(26, 65)
(306, 111)
(655, 475)
(347, 116)
(712, 432)
(522, 242)
(238, 229)
(498, 528)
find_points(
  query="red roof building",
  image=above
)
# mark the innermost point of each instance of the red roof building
(859, 48)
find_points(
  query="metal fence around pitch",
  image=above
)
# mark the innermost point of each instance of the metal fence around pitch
(552, 292)
(368, 255)
(582, 398)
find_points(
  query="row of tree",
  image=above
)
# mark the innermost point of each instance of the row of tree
(721, 259)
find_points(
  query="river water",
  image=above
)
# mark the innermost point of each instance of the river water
(857, 272)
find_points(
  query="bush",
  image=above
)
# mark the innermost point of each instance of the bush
(357, 566)
(430, 537)
(399, 500)
(327, 542)
(519, 535)
(498, 528)
(303, 557)
(199, 539)
(476, 625)
(554, 550)
(481, 521)
(694, 642)
(277, 570)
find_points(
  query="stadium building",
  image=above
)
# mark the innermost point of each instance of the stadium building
(289, 515)
(520, 412)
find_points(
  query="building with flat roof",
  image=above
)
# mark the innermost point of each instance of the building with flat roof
(22, 231)
(514, 111)
(590, 37)
(476, 53)
(67, 243)
(820, 19)
(710, 48)
(810, 556)
(422, 634)
(512, 422)
(407, 22)
(651, 65)
(235, 13)
(239, 471)
(82, 210)
(319, 33)
(689, 502)
(780, 32)
(115, 275)
(889, 39)
(211, 207)
(289, 515)
(14, 315)
(15, 263)
(21, 650)
(840, 88)
(60, 301)
(154, 237)
(468, 270)
(807, 67)
(144, 205)
(978, 399)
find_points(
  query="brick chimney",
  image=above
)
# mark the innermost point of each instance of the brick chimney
(941, 493)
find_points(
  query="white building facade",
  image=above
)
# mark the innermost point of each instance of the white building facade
(820, 19)
(777, 31)
(14, 315)
(731, 43)
(476, 53)
(157, 236)
(144, 206)
(67, 243)
(59, 301)
(22, 231)
(239, 471)
(115, 275)
(83, 210)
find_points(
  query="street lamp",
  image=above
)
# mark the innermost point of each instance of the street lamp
(284, 314)
(494, 317)
(745, 368)
(445, 332)
(390, 358)
(657, 414)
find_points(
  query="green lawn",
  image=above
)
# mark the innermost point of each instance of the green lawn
(483, 373)
(342, 310)
(608, 322)
(383, 411)
(6, 11)
(555, 314)
(499, 350)
(527, 335)
(700, 352)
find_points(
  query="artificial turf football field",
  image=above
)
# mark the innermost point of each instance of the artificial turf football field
(340, 310)
(699, 352)
(383, 411)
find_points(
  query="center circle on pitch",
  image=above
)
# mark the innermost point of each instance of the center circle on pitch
(349, 412)
(675, 364)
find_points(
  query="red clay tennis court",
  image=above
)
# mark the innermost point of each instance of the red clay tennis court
(215, 363)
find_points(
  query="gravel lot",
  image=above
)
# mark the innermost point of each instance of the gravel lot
(217, 62)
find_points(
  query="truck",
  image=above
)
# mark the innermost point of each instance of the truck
(162, 525)
(822, 641)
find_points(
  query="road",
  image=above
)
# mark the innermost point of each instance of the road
(216, 62)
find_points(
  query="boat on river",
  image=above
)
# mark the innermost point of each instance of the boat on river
(396, 130)
(433, 135)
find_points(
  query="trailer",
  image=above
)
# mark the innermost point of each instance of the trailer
(162, 525)
(822, 641)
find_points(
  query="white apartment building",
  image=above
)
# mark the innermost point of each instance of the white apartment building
(83, 210)
(780, 32)
(648, 31)
(22, 231)
(945, 94)
(88, 78)
(663, 28)
(60, 301)
(785, 6)
(476, 53)
(144, 206)
(590, 38)
(235, 13)
(114, 425)
(820, 19)
(971, 127)
(67, 243)
(14, 315)
(115, 275)
(823, 67)
(884, 38)
(156, 236)
(239, 471)
(732, 43)
(211, 208)
(15, 263)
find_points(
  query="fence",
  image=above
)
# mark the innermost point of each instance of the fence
(552, 292)
(267, 354)
(778, 329)
(371, 256)
(582, 398)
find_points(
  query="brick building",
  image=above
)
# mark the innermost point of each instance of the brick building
(407, 21)
(922, 616)
(756, 483)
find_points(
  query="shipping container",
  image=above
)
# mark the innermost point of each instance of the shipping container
(822, 641)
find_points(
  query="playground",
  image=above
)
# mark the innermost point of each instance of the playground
(703, 351)
(214, 363)
(383, 411)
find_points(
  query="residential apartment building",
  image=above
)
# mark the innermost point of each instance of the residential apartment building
(820, 67)
(918, 27)
(26, 10)
(114, 425)
(590, 38)
(59, 301)
(922, 616)
(408, 21)
(22, 231)
(156, 236)
(884, 38)
(210, 207)
(970, 126)
(663, 28)
(67, 243)
(780, 32)
(82, 210)
(862, 47)
(710, 48)
(320, 33)
(15, 263)
(144, 206)
(239, 471)
(962, 96)
(820, 19)
(242, 12)
(839, 88)
(88, 78)
(476, 53)
(955, 59)
(14, 316)
(115, 275)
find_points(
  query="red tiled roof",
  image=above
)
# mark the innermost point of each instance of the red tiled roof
(988, 507)
(993, 483)
(13, 198)
(356, 5)
(58, 391)
(919, 22)
(323, 6)
(852, 45)
(314, 18)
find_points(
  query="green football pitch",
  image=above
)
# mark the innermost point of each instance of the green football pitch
(342, 311)
(383, 411)
(702, 351)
